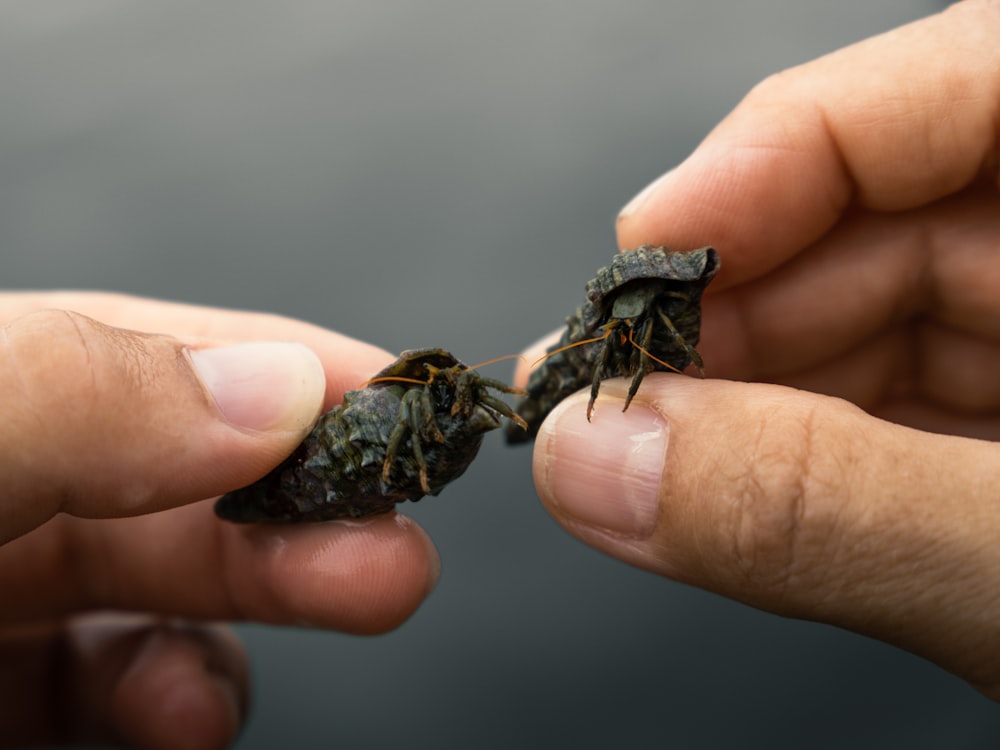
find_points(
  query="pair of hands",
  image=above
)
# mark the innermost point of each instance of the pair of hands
(855, 201)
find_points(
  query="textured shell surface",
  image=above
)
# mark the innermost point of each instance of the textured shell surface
(348, 467)
(642, 313)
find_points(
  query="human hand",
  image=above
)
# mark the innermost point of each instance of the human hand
(854, 201)
(108, 438)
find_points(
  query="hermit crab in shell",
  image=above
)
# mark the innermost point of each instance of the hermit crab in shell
(642, 313)
(412, 429)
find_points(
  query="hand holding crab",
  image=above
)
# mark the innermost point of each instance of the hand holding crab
(110, 439)
(858, 214)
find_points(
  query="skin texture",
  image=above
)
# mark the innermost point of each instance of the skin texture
(854, 202)
(92, 528)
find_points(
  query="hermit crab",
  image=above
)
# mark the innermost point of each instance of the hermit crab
(412, 429)
(642, 313)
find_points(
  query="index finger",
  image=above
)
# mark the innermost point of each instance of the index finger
(888, 124)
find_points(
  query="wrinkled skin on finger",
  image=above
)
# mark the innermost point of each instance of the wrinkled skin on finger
(111, 461)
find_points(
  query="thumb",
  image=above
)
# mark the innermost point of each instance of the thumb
(99, 421)
(791, 502)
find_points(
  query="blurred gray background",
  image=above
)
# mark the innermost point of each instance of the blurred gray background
(442, 174)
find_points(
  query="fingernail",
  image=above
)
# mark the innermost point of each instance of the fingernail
(634, 205)
(607, 472)
(266, 386)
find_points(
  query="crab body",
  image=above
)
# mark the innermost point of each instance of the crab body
(642, 313)
(415, 427)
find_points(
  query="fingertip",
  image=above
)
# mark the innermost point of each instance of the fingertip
(629, 224)
(149, 683)
(181, 691)
(604, 472)
(739, 192)
(364, 577)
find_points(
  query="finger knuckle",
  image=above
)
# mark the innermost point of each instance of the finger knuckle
(778, 521)
(70, 384)
(60, 355)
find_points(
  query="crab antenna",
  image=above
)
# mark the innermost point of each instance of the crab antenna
(571, 346)
(646, 352)
(496, 359)
(392, 379)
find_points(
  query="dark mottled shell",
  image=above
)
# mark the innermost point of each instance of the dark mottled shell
(337, 471)
(639, 288)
